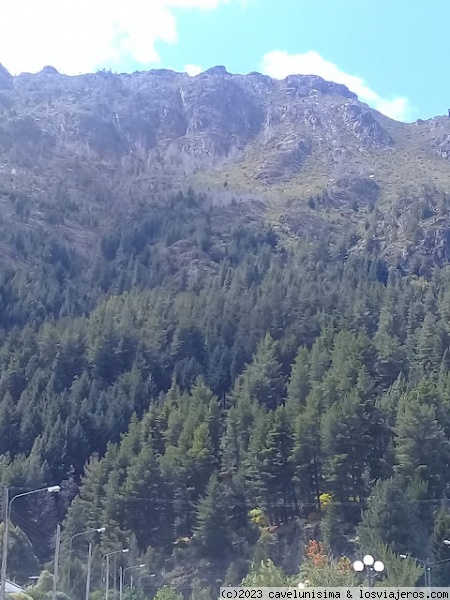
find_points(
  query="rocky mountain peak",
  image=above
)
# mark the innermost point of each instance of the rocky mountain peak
(49, 70)
(201, 120)
(219, 71)
(6, 78)
(301, 139)
(304, 85)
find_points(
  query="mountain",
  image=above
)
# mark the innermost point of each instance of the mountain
(307, 149)
(224, 330)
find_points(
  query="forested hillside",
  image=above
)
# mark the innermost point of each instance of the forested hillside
(184, 401)
(214, 388)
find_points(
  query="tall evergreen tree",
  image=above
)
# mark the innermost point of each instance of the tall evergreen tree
(299, 382)
(393, 517)
(211, 532)
(307, 455)
(422, 449)
(348, 443)
(261, 380)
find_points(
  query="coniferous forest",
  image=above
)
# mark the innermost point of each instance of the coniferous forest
(217, 419)
(224, 333)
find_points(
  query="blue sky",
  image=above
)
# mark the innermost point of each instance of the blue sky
(392, 53)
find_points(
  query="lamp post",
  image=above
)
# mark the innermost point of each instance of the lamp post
(123, 571)
(122, 575)
(427, 565)
(56, 561)
(369, 564)
(437, 562)
(98, 530)
(55, 489)
(123, 551)
(88, 576)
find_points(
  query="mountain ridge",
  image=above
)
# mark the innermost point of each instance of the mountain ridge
(306, 147)
(222, 329)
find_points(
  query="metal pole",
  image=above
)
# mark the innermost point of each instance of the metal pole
(88, 577)
(120, 583)
(69, 567)
(107, 577)
(97, 530)
(55, 568)
(428, 571)
(5, 543)
(115, 577)
(131, 582)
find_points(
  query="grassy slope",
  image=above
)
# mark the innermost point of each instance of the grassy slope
(411, 162)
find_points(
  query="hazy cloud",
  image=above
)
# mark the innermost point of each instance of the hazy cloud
(193, 70)
(280, 64)
(80, 36)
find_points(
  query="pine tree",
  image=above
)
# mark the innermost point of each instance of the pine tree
(168, 593)
(211, 530)
(391, 358)
(253, 467)
(21, 558)
(207, 403)
(8, 426)
(401, 571)
(299, 382)
(307, 454)
(200, 459)
(146, 501)
(389, 402)
(320, 356)
(422, 448)
(265, 574)
(233, 575)
(277, 469)
(393, 517)
(238, 426)
(348, 444)
(261, 380)
(428, 353)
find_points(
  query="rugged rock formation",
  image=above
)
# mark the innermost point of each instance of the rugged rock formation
(208, 118)
(6, 80)
(105, 142)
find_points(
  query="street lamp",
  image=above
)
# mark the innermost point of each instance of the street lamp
(88, 575)
(52, 489)
(123, 551)
(369, 564)
(427, 565)
(122, 575)
(98, 530)
(421, 562)
(437, 562)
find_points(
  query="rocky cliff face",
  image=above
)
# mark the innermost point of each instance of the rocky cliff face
(102, 140)
(209, 118)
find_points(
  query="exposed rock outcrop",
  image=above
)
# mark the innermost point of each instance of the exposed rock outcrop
(6, 79)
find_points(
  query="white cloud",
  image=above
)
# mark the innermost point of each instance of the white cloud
(280, 64)
(78, 36)
(193, 70)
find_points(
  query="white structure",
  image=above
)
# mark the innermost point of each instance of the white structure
(13, 588)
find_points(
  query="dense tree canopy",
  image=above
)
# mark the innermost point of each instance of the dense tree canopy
(174, 386)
